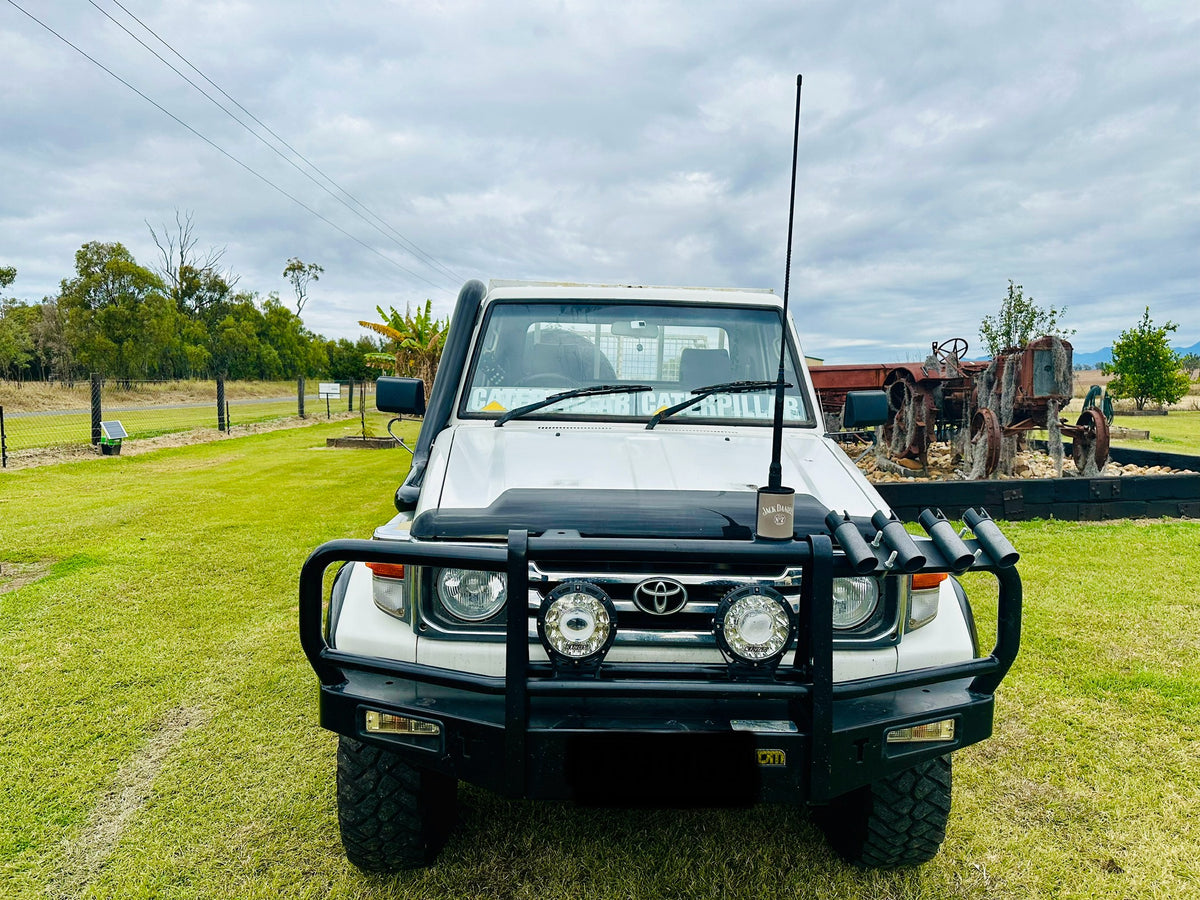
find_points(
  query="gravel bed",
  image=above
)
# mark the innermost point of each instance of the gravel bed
(1028, 464)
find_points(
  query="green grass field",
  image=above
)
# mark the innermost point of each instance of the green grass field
(160, 737)
(1176, 432)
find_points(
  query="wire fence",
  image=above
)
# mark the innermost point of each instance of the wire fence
(40, 416)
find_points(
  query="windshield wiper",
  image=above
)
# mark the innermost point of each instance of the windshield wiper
(729, 387)
(594, 391)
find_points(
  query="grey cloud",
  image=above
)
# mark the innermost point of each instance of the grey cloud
(944, 150)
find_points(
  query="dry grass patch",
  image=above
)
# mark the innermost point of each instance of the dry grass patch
(86, 853)
(15, 575)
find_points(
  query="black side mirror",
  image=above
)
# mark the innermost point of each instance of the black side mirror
(402, 396)
(864, 408)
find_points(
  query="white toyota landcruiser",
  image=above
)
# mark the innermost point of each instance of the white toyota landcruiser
(572, 601)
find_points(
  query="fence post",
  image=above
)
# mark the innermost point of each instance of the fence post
(222, 422)
(300, 396)
(3, 442)
(351, 396)
(96, 412)
(362, 407)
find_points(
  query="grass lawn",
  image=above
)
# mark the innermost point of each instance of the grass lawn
(1176, 432)
(160, 740)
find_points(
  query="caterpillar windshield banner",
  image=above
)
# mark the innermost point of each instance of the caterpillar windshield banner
(757, 405)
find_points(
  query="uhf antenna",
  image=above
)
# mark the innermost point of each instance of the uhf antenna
(776, 503)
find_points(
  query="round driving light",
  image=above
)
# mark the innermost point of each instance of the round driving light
(470, 594)
(577, 622)
(854, 601)
(754, 624)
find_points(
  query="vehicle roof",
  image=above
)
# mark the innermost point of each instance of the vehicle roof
(500, 289)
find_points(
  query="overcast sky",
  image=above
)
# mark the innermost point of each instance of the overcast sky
(944, 149)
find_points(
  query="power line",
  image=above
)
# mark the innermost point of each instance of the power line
(221, 150)
(404, 244)
(227, 112)
(399, 238)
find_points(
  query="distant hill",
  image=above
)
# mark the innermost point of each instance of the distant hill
(1104, 355)
(1095, 358)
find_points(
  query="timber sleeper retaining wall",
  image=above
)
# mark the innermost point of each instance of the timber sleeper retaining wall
(1076, 499)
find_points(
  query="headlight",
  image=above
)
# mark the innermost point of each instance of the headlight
(854, 601)
(470, 594)
(577, 623)
(753, 624)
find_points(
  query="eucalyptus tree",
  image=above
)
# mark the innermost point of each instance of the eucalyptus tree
(300, 274)
(118, 315)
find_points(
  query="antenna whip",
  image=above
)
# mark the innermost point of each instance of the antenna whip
(776, 503)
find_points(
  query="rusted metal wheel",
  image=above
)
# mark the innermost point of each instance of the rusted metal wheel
(985, 427)
(899, 391)
(1095, 437)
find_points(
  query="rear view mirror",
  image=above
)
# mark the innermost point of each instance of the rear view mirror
(402, 396)
(865, 408)
(638, 328)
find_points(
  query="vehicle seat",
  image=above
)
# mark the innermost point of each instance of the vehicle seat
(698, 367)
(574, 359)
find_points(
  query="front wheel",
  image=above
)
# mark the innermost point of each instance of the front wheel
(392, 815)
(899, 820)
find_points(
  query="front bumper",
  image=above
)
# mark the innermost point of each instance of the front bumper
(666, 734)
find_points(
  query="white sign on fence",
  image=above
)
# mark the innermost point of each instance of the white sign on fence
(329, 390)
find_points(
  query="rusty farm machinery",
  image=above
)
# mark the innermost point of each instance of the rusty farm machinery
(985, 407)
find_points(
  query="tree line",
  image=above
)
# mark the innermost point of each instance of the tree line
(184, 318)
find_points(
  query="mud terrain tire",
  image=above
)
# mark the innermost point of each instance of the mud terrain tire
(896, 821)
(392, 814)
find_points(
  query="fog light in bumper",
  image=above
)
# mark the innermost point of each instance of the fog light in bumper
(390, 723)
(930, 732)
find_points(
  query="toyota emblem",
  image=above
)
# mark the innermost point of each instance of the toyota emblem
(660, 596)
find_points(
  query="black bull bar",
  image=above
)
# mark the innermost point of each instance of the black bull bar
(842, 725)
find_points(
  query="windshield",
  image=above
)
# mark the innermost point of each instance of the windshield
(529, 351)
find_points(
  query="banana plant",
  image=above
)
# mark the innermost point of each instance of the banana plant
(416, 341)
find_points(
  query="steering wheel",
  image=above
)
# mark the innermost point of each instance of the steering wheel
(549, 379)
(953, 347)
